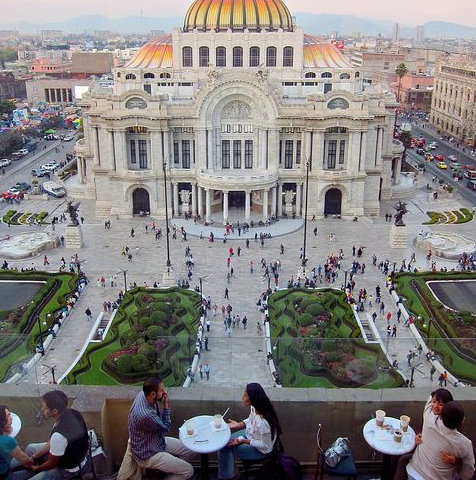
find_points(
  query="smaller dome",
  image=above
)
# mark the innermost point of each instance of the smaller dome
(155, 54)
(320, 54)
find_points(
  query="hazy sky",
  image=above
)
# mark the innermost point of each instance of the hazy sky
(405, 11)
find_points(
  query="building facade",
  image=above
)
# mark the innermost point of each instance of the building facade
(415, 93)
(235, 106)
(454, 99)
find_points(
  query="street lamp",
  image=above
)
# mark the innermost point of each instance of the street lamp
(302, 270)
(52, 370)
(125, 278)
(169, 274)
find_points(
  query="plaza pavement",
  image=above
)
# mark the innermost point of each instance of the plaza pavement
(240, 359)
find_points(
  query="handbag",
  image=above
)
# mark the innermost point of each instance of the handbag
(339, 450)
(288, 467)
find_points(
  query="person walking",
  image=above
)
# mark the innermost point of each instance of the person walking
(200, 369)
(432, 372)
(206, 344)
(382, 308)
(251, 267)
(394, 331)
(206, 369)
(45, 260)
(132, 232)
(389, 316)
(88, 313)
(208, 323)
(226, 294)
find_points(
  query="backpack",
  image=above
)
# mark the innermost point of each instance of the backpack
(288, 468)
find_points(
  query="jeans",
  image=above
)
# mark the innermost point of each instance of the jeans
(53, 474)
(228, 455)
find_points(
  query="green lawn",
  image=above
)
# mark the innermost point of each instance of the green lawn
(172, 313)
(317, 343)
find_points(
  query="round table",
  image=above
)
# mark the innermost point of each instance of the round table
(16, 425)
(206, 439)
(382, 440)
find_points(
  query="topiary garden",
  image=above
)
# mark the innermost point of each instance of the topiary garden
(153, 333)
(318, 343)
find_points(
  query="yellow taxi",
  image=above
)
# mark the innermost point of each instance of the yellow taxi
(442, 165)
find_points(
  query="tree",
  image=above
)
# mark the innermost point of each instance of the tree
(9, 142)
(406, 139)
(401, 71)
(6, 107)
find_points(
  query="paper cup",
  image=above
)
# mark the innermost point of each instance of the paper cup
(217, 419)
(190, 426)
(397, 435)
(379, 417)
(404, 422)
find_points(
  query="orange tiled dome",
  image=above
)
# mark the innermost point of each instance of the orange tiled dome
(321, 54)
(238, 15)
(155, 54)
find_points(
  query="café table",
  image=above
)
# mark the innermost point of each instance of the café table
(16, 425)
(205, 440)
(382, 440)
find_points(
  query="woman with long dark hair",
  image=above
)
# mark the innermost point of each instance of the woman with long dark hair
(253, 438)
(9, 447)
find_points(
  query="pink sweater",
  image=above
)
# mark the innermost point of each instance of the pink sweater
(436, 438)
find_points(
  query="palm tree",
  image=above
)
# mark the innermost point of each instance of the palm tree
(401, 71)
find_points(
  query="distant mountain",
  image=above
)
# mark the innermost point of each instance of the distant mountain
(321, 24)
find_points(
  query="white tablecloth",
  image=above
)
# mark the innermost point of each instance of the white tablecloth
(206, 438)
(16, 425)
(382, 439)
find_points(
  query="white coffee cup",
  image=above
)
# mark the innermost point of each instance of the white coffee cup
(404, 422)
(380, 417)
(397, 435)
(217, 419)
(190, 426)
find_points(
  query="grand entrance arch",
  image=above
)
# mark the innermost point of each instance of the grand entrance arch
(333, 202)
(140, 201)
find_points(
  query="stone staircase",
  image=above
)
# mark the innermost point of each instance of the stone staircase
(101, 328)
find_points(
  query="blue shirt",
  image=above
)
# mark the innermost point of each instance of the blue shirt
(7, 445)
(147, 428)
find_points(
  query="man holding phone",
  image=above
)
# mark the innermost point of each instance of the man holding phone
(147, 426)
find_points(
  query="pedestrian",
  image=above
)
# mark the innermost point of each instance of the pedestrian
(389, 316)
(244, 322)
(226, 294)
(374, 316)
(441, 379)
(432, 372)
(251, 267)
(206, 369)
(82, 220)
(388, 330)
(208, 324)
(382, 308)
(45, 260)
(394, 330)
(88, 313)
(132, 232)
(206, 344)
(200, 369)
(315, 231)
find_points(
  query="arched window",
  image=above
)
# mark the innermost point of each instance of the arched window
(288, 56)
(271, 55)
(130, 76)
(187, 57)
(165, 75)
(357, 74)
(221, 57)
(237, 57)
(149, 75)
(326, 75)
(310, 75)
(203, 57)
(254, 57)
(344, 76)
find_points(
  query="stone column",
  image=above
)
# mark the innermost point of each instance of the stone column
(280, 199)
(318, 151)
(363, 151)
(200, 200)
(194, 198)
(273, 201)
(298, 199)
(97, 158)
(265, 205)
(398, 169)
(112, 153)
(307, 147)
(156, 158)
(120, 151)
(176, 199)
(208, 206)
(225, 207)
(264, 149)
(167, 158)
(210, 161)
(247, 207)
(81, 169)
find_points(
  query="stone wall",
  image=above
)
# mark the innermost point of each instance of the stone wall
(342, 412)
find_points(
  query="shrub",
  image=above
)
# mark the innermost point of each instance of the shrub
(441, 181)
(145, 322)
(148, 351)
(449, 189)
(329, 346)
(140, 363)
(129, 337)
(124, 364)
(157, 318)
(305, 320)
(163, 307)
(315, 309)
(333, 357)
(154, 332)
(308, 301)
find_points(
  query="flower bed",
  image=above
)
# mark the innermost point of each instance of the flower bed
(463, 215)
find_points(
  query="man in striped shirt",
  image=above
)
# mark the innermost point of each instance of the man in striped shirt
(149, 446)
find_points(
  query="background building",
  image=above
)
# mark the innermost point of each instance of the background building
(454, 99)
(415, 92)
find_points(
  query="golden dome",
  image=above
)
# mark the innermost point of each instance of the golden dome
(320, 54)
(238, 14)
(155, 54)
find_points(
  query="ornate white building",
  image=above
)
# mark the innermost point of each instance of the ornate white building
(237, 103)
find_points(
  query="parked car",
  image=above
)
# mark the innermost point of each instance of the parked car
(440, 157)
(54, 189)
(5, 162)
(24, 151)
(22, 186)
(471, 185)
(420, 151)
(442, 165)
(456, 166)
(470, 174)
(17, 155)
(469, 167)
(40, 172)
(452, 158)
(68, 138)
(9, 195)
(50, 166)
(51, 137)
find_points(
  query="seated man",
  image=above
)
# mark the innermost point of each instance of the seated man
(149, 446)
(66, 451)
(443, 451)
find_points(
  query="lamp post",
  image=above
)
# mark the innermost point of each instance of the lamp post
(345, 280)
(169, 274)
(302, 270)
(52, 370)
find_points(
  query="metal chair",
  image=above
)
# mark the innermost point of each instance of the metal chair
(89, 471)
(345, 468)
